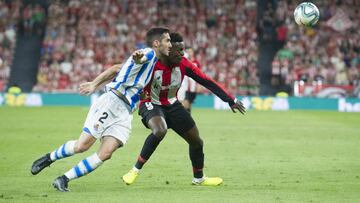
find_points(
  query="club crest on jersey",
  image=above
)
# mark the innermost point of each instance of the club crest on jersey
(96, 126)
(175, 79)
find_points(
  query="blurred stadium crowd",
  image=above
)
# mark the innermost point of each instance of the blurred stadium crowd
(82, 41)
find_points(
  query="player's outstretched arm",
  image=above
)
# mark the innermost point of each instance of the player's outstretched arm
(88, 88)
(213, 86)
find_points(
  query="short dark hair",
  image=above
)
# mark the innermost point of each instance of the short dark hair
(176, 37)
(155, 34)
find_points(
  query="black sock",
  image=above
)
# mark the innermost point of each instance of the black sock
(149, 147)
(197, 160)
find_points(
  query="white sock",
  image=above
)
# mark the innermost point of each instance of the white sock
(198, 180)
(136, 169)
(84, 167)
(63, 151)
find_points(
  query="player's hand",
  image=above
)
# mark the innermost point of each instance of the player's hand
(138, 57)
(239, 106)
(87, 88)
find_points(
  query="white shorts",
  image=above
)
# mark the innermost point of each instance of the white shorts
(109, 116)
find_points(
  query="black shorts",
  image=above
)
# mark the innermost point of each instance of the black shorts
(190, 96)
(175, 115)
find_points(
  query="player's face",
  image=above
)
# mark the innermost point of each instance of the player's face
(176, 52)
(165, 45)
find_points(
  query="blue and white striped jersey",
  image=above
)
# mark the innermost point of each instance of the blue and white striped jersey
(133, 77)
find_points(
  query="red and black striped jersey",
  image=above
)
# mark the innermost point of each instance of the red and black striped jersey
(166, 81)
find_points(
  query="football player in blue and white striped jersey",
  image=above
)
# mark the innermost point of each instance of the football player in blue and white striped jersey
(109, 118)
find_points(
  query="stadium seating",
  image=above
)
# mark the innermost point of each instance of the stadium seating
(82, 41)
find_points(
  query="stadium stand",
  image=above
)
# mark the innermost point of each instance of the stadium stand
(9, 15)
(81, 41)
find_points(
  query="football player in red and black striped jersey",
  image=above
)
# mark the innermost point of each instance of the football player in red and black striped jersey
(160, 110)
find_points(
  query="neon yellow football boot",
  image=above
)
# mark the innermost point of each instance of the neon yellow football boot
(130, 177)
(207, 181)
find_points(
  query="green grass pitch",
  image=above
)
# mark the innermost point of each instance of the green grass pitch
(296, 156)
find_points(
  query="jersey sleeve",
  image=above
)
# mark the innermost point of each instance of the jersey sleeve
(149, 54)
(195, 73)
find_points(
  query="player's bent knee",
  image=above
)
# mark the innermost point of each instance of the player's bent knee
(105, 154)
(160, 132)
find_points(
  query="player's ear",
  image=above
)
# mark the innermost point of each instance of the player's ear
(156, 43)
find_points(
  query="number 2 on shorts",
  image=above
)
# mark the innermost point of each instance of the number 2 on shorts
(103, 117)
